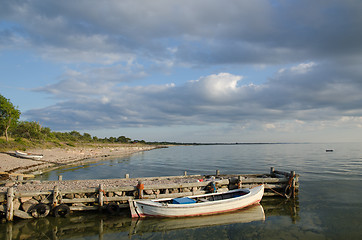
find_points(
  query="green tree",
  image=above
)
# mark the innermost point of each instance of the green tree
(123, 139)
(9, 115)
(87, 137)
(32, 131)
(47, 132)
(76, 135)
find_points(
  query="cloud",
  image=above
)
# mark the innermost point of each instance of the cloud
(243, 32)
(104, 49)
(216, 87)
(303, 67)
(302, 93)
(94, 81)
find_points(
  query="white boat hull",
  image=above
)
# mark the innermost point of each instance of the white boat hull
(249, 214)
(145, 208)
(28, 155)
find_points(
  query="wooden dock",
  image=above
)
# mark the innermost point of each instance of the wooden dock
(28, 199)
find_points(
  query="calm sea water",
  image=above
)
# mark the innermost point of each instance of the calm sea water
(329, 205)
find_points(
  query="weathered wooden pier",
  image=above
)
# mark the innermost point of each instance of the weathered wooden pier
(28, 199)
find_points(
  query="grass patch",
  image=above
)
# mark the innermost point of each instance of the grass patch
(24, 144)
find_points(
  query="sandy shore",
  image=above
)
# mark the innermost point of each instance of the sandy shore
(56, 157)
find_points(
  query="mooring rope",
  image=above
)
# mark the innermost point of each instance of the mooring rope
(289, 185)
(274, 191)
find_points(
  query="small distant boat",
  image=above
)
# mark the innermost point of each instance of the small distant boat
(329, 150)
(206, 204)
(28, 155)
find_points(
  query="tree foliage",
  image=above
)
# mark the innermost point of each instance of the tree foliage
(34, 132)
(9, 115)
(123, 139)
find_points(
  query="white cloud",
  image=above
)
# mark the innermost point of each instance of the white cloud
(294, 99)
(303, 67)
(218, 87)
(282, 70)
(269, 126)
(105, 100)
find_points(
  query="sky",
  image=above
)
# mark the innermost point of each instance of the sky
(187, 71)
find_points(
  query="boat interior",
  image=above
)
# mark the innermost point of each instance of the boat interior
(206, 198)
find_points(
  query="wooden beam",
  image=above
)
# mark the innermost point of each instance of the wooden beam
(32, 194)
(83, 208)
(265, 180)
(132, 209)
(81, 200)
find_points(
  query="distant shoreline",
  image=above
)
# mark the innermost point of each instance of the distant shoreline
(244, 143)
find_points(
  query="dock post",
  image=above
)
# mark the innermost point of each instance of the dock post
(100, 199)
(272, 171)
(185, 173)
(217, 172)
(55, 196)
(126, 175)
(10, 204)
(292, 173)
(60, 178)
(239, 182)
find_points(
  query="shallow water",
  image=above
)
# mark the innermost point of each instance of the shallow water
(329, 204)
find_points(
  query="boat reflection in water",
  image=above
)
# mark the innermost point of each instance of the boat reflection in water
(250, 214)
(99, 225)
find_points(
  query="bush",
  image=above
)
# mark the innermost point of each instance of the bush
(30, 130)
(70, 144)
(19, 140)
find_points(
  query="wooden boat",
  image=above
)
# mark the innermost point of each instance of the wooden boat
(206, 204)
(28, 155)
(246, 215)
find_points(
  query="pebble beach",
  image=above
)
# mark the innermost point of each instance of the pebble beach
(56, 157)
